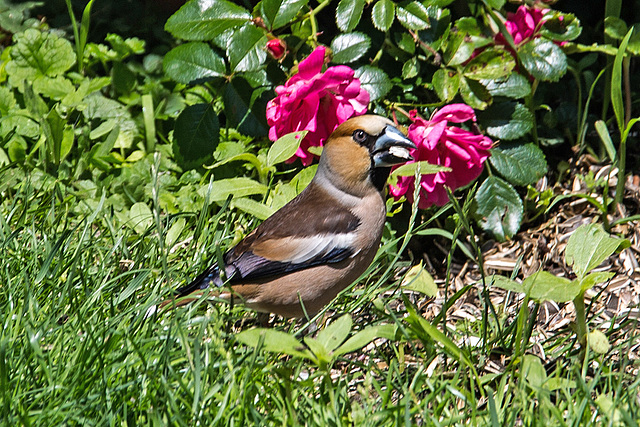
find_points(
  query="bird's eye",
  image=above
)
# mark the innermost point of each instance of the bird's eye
(360, 136)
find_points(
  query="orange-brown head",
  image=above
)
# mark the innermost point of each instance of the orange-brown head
(358, 155)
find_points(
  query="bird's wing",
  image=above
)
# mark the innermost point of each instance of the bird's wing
(312, 229)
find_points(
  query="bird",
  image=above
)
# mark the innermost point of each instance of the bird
(302, 256)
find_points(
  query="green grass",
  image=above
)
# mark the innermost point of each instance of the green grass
(76, 348)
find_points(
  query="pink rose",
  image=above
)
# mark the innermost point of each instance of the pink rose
(441, 144)
(523, 25)
(315, 101)
(276, 48)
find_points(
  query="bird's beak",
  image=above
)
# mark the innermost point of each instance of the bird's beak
(391, 148)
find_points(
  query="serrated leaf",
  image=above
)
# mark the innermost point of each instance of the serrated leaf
(278, 13)
(244, 107)
(98, 107)
(284, 148)
(364, 337)
(335, 333)
(589, 246)
(374, 81)
(382, 14)
(273, 341)
(561, 27)
(349, 47)
(490, 64)
(348, 14)
(140, 217)
(246, 49)
(36, 53)
(543, 59)
(507, 120)
(413, 15)
(205, 20)
(194, 61)
(196, 135)
(411, 68)
(252, 207)
(458, 49)
(615, 28)
(515, 86)
(419, 280)
(520, 164)
(500, 208)
(446, 84)
(474, 94)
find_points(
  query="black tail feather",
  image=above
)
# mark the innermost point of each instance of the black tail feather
(203, 281)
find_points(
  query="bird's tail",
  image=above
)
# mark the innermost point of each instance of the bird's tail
(211, 276)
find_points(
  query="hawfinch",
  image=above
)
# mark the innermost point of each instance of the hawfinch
(325, 238)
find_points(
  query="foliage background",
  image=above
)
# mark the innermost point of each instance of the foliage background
(115, 180)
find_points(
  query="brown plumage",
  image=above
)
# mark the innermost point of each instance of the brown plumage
(324, 239)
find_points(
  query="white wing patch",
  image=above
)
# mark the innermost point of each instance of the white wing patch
(304, 249)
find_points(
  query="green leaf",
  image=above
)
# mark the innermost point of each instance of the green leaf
(196, 135)
(364, 337)
(506, 283)
(533, 371)
(36, 54)
(446, 83)
(589, 246)
(284, 148)
(500, 208)
(252, 207)
(507, 120)
(174, 232)
(349, 47)
(335, 333)
(205, 20)
(55, 88)
(520, 164)
(193, 61)
(419, 280)
(273, 341)
(100, 108)
(374, 81)
(515, 86)
(140, 217)
(244, 107)
(458, 49)
(490, 64)
(409, 169)
(7, 100)
(413, 15)
(474, 93)
(382, 14)
(593, 279)
(561, 27)
(348, 14)
(543, 59)
(236, 187)
(246, 49)
(615, 28)
(278, 13)
(544, 286)
(616, 82)
(411, 68)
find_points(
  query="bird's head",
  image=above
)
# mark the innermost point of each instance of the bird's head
(361, 151)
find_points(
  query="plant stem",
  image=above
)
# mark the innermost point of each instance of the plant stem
(581, 319)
